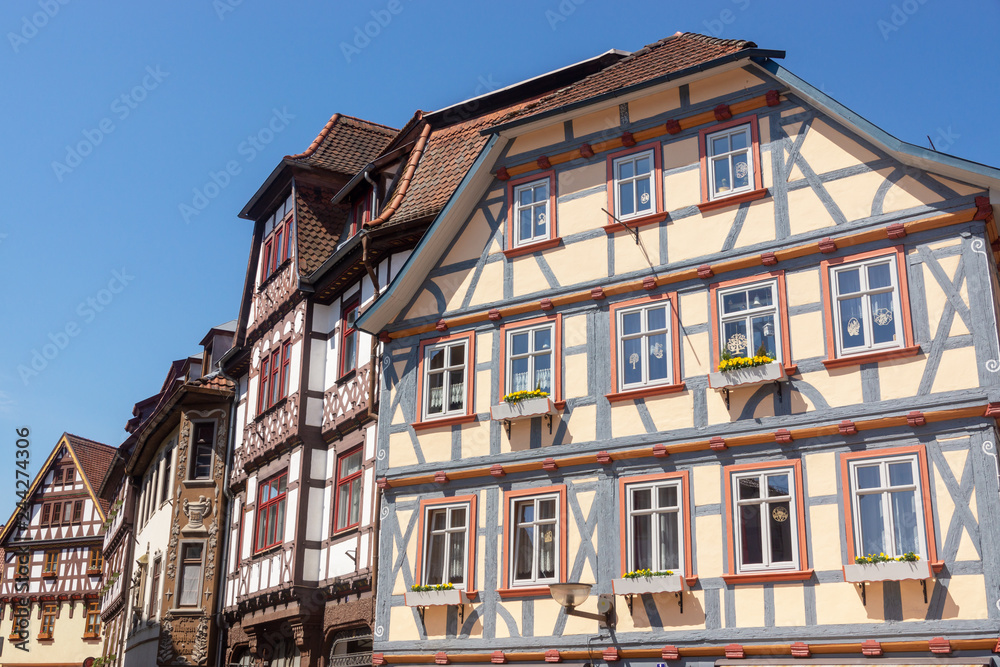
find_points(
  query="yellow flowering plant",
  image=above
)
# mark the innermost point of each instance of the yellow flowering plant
(518, 396)
(646, 574)
(417, 588)
(731, 363)
(908, 557)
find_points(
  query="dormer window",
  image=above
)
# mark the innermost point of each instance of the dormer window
(361, 213)
(279, 230)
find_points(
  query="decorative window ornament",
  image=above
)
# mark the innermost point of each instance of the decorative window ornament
(656, 350)
(779, 514)
(853, 327)
(882, 317)
(644, 198)
(741, 169)
(634, 359)
(737, 342)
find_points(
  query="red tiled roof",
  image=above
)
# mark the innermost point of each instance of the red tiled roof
(95, 458)
(345, 145)
(214, 381)
(320, 224)
(674, 53)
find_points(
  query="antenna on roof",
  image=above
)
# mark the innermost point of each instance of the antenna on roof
(931, 142)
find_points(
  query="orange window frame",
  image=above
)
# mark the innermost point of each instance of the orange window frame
(424, 421)
(907, 349)
(781, 306)
(758, 191)
(802, 572)
(93, 624)
(471, 527)
(925, 489)
(512, 249)
(556, 320)
(657, 214)
(686, 523)
(51, 565)
(676, 384)
(509, 498)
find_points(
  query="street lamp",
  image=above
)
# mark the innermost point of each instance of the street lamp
(573, 594)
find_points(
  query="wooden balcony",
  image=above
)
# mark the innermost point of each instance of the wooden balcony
(346, 404)
(274, 427)
(272, 295)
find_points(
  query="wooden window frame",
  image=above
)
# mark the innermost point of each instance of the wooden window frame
(512, 247)
(48, 613)
(350, 480)
(446, 419)
(799, 573)
(55, 519)
(192, 471)
(77, 512)
(263, 509)
(907, 348)
(50, 566)
(471, 528)
(46, 514)
(277, 247)
(709, 203)
(680, 477)
(656, 213)
(361, 211)
(263, 384)
(537, 322)
(509, 499)
(715, 293)
(676, 384)
(923, 477)
(92, 618)
(184, 564)
(349, 306)
(154, 588)
(95, 561)
(274, 376)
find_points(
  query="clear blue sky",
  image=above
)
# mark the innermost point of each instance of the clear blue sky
(199, 78)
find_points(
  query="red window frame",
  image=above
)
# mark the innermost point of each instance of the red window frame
(274, 377)
(277, 247)
(349, 481)
(620, 393)
(758, 191)
(658, 214)
(286, 360)
(265, 510)
(262, 393)
(362, 212)
(266, 265)
(513, 249)
(347, 331)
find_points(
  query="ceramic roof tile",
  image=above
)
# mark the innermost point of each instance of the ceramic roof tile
(345, 145)
(95, 458)
(320, 224)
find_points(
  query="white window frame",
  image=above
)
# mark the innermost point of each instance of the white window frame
(446, 386)
(450, 534)
(630, 511)
(652, 176)
(179, 584)
(645, 334)
(768, 564)
(751, 312)
(712, 157)
(885, 491)
(516, 231)
(510, 356)
(557, 556)
(865, 294)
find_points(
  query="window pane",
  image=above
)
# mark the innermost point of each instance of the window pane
(519, 375)
(435, 394)
(456, 355)
(656, 318)
(456, 558)
(525, 512)
(524, 224)
(438, 519)
(658, 357)
(883, 318)
(541, 220)
(279, 524)
(763, 334)
(456, 398)
(900, 473)
(435, 560)
(547, 552)
(781, 532)
(643, 194)
(721, 174)
(735, 334)
(669, 542)
(642, 499)
(642, 548)
(904, 518)
(189, 584)
(547, 509)
(872, 523)
(342, 505)
(848, 281)
(543, 339)
(458, 517)
(262, 530)
(749, 488)
(868, 477)
(625, 169)
(541, 192)
(626, 199)
(739, 140)
(750, 538)
(741, 170)
(355, 501)
(761, 296)
(279, 484)
(667, 496)
(632, 356)
(543, 373)
(523, 554)
(720, 145)
(777, 485)
(879, 276)
(437, 359)
(643, 165)
(519, 343)
(351, 464)
(852, 326)
(632, 323)
(734, 302)
(524, 196)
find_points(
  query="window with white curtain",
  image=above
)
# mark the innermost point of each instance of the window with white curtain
(655, 526)
(748, 319)
(535, 540)
(445, 541)
(866, 308)
(529, 358)
(445, 367)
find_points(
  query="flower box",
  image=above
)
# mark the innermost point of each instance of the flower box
(888, 571)
(670, 583)
(435, 598)
(747, 377)
(530, 407)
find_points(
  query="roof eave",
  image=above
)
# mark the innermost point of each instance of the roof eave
(745, 54)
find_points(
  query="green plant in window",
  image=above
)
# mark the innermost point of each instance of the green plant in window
(646, 574)
(908, 557)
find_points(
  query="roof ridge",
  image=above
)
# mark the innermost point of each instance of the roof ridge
(334, 119)
(368, 122)
(87, 440)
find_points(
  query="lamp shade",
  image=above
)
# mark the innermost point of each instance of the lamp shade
(570, 594)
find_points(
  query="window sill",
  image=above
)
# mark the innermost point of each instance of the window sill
(264, 551)
(198, 483)
(443, 421)
(657, 390)
(872, 357)
(187, 611)
(529, 248)
(271, 277)
(632, 223)
(346, 377)
(93, 573)
(91, 635)
(341, 532)
(44, 638)
(273, 408)
(773, 575)
(716, 204)
(439, 598)
(49, 575)
(524, 592)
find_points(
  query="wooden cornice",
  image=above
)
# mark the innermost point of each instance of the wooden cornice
(766, 437)
(751, 261)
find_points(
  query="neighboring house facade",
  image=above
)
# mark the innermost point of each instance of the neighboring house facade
(52, 566)
(691, 205)
(168, 540)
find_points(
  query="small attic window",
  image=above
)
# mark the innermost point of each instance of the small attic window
(278, 243)
(361, 212)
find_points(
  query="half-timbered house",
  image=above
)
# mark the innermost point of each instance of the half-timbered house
(166, 543)
(694, 365)
(52, 566)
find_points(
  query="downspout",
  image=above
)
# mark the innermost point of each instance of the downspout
(220, 617)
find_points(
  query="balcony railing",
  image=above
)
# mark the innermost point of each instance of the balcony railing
(350, 660)
(272, 294)
(269, 430)
(347, 402)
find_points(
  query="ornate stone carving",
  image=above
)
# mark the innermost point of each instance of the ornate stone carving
(213, 540)
(200, 653)
(196, 512)
(165, 654)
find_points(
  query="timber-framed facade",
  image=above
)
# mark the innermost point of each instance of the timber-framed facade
(612, 246)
